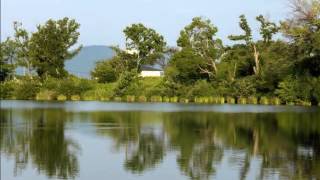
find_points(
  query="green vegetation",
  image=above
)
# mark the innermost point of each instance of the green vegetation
(202, 70)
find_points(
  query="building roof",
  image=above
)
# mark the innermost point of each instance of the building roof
(150, 68)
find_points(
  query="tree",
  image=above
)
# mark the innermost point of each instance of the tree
(50, 46)
(104, 72)
(200, 36)
(22, 40)
(7, 59)
(303, 32)
(164, 60)
(184, 67)
(145, 43)
(247, 37)
(267, 29)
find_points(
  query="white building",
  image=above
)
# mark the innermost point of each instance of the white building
(151, 72)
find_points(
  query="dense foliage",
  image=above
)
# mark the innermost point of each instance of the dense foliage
(285, 69)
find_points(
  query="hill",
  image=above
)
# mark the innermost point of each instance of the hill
(84, 62)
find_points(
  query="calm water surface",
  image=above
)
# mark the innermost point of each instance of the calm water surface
(95, 140)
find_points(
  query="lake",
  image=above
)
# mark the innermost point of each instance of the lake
(99, 140)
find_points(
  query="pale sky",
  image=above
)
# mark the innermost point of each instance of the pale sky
(102, 21)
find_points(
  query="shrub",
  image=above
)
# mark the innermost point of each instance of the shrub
(184, 100)
(244, 87)
(303, 103)
(287, 90)
(201, 100)
(252, 100)
(6, 89)
(222, 100)
(130, 98)
(73, 86)
(26, 89)
(242, 100)
(62, 98)
(128, 84)
(46, 95)
(166, 99)
(264, 101)
(142, 99)
(200, 89)
(156, 99)
(75, 98)
(117, 99)
(104, 72)
(275, 101)
(174, 99)
(231, 100)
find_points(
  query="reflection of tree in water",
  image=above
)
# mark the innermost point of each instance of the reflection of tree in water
(144, 146)
(193, 137)
(41, 139)
(148, 152)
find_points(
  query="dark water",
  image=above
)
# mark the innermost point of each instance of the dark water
(93, 141)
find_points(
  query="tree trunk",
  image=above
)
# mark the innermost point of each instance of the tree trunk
(256, 54)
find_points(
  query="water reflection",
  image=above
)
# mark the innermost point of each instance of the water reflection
(205, 145)
(38, 136)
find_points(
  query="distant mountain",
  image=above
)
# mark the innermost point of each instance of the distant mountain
(82, 64)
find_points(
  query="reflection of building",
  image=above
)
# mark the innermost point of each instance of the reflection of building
(147, 71)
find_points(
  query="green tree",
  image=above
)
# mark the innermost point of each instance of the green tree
(247, 37)
(145, 43)
(7, 58)
(50, 46)
(200, 36)
(184, 67)
(22, 40)
(267, 29)
(104, 72)
(303, 31)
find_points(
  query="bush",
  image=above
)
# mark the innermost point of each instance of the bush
(6, 89)
(252, 100)
(156, 99)
(142, 99)
(75, 98)
(200, 89)
(201, 100)
(166, 99)
(264, 101)
(62, 98)
(130, 98)
(26, 89)
(244, 87)
(174, 99)
(73, 86)
(231, 100)
(242, 100)
(104, 72)
(128, 84)
(184, 100)
(46, 95)
(117, 99)
(275, 101)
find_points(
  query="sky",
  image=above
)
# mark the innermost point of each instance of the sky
(102, 21)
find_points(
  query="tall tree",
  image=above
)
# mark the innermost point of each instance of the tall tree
(22, 40)
(303, 31)
(200, 36)
(247, 37)
(7, 59)
(267, 28)
(144, 42)
(50, 46)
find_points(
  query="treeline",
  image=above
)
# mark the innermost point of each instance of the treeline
(282, 70)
